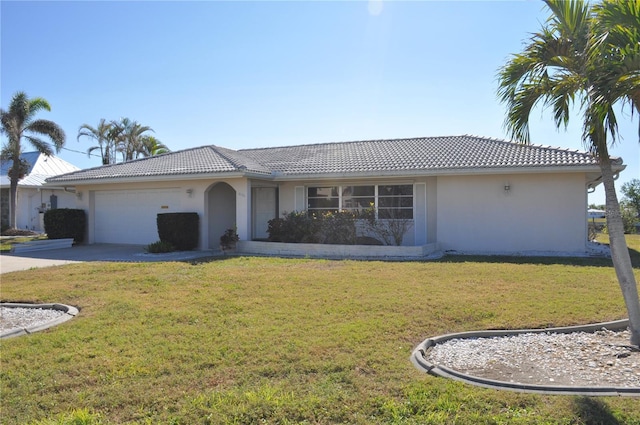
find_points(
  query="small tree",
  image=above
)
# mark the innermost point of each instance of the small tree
(631, 191)
(629, 216)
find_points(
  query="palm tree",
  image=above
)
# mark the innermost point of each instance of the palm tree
(101, 134)
(18, 122)
(151, 147)
(128, 136)
(585, 55)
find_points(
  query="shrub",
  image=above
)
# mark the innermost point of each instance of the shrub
(337, 228)
(64, 223)
(229, 238)
(296, 227)
(326, 228)
(159, 247)
(179, 229)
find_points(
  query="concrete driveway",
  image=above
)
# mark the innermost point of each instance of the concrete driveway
(11, 262)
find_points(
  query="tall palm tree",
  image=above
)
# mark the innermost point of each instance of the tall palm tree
(589, 56)
(129, 137)
(18, 123)
(101, 134)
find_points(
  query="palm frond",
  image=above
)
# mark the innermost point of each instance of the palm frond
(40, 145)
(51, 129)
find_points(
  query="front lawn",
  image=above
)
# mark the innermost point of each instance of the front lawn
(259, 340)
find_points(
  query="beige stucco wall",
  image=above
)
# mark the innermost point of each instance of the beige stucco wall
(286, 197)
(30, 199)
(540, 212)
(189, 196)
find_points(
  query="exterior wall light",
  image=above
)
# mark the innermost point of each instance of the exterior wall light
(189, 192)
(507, 187)
(79, 195)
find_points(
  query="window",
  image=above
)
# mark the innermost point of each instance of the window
(395, 202)
(323, 199)
(358, 198)
(391, 201)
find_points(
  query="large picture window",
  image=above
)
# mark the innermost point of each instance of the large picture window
(391, 201)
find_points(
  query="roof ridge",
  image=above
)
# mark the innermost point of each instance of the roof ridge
(217, 150)
(348, 142)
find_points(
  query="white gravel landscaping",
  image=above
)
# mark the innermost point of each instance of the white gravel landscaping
(598, 359)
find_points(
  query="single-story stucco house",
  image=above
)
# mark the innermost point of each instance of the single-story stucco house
(463, 193)
(33, 198)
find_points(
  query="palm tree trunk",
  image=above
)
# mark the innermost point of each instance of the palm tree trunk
(13, 196)
(620, 252)
(14, 178)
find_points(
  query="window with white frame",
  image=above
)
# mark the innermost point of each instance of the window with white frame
(390, 201)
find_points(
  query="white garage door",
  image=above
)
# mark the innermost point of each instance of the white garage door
(129, 216)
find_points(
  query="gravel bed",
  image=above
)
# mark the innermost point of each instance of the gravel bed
(18, 317)
(600, 359)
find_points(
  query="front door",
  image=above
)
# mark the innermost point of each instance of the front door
(265, 208)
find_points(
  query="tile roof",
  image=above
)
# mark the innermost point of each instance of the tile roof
(194, 161)
(399, 156)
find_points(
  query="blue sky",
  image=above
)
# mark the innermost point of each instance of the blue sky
(252, 74)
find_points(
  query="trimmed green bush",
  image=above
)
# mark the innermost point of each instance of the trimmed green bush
(65, 223)
(179, 229)
(325, 228)
(295, 227)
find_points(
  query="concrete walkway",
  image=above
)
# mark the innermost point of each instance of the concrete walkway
(10, 262)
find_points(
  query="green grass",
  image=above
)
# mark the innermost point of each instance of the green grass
(280, 341)
(7, 242)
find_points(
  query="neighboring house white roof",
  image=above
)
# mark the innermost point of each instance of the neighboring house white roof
(40, 167)
(596, 213)
(424, 155)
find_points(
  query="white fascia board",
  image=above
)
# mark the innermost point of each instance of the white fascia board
(447, 172)
(157, 178)
(333, 176)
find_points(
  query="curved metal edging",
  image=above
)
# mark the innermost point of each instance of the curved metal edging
(419, 361)
(70, 313)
